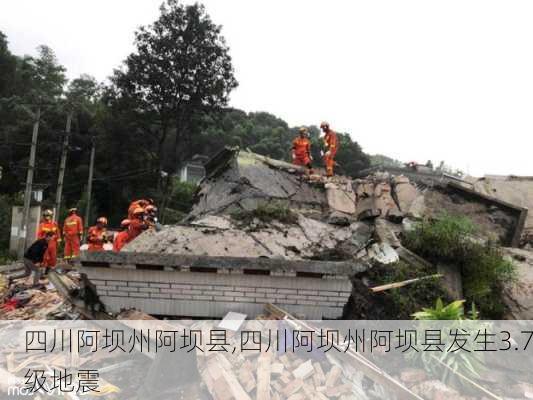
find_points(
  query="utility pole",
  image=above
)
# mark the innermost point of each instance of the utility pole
(90, 184)
(23, 227)
(62, 166)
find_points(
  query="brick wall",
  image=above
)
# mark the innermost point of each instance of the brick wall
(213, 294)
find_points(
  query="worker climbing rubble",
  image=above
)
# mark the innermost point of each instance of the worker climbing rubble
(72, 232)
(122, 238)
(48, 225)
(301, 150)
(97, 235)
(331, 144)
(137, 223)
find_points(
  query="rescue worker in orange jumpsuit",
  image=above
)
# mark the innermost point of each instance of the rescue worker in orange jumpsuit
(122, 237)
(301, 150)
(48, 225)
(136, 204)
(72, 231)
(137, 224)
(332, 145)
(97, 235)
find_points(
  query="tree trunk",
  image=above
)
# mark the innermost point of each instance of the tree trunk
(160, 147)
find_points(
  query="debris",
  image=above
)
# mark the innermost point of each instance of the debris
(412, 376)
(333, 376)
(263, 377)
(383, 253)
(304, 371)
(341, 197)
(518, 294)
(385, 234)
(232, 321)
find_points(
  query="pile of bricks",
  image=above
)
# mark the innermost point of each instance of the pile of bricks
(274, 376)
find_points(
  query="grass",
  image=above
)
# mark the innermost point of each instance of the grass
(266, 213)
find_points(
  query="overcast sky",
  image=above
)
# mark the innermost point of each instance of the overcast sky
(415, 80)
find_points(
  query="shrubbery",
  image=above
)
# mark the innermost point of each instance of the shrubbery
(449, 239)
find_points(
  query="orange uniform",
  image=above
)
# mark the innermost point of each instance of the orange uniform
(137, 226)
(72, 230)
(96, 238)
(121, 239)
(332, 145)
(301, 149)
(136, 204)
(50, 257)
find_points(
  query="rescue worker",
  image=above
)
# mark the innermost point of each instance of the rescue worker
(72, 231)
(97, 235)
(122, 237)
(301, 150)
(138, 203)
(34, 257)
(48, 225)
(331, 143)
(137, 224)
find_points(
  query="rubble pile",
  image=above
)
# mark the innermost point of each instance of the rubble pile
(19, 301)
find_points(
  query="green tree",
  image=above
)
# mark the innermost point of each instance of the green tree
(181, 67)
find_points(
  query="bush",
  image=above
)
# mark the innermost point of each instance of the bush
(402, 302)
(484, 270)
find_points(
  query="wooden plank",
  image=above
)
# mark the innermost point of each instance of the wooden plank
(277, 368)
(333, 376)
(396, 285)
(293, 387)
(235, 387)
(304, 370)
(247, 379)
(319, 373)
(263, 377)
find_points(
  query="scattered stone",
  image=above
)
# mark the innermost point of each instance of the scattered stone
(384, 233)
(404, 192)
(339, 218)
(383, 253)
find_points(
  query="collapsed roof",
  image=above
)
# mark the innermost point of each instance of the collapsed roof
(331, 219)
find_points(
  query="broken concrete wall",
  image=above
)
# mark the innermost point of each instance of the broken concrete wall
(511, 189)
(210, 287)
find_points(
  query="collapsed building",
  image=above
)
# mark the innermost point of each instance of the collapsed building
(262, 232)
